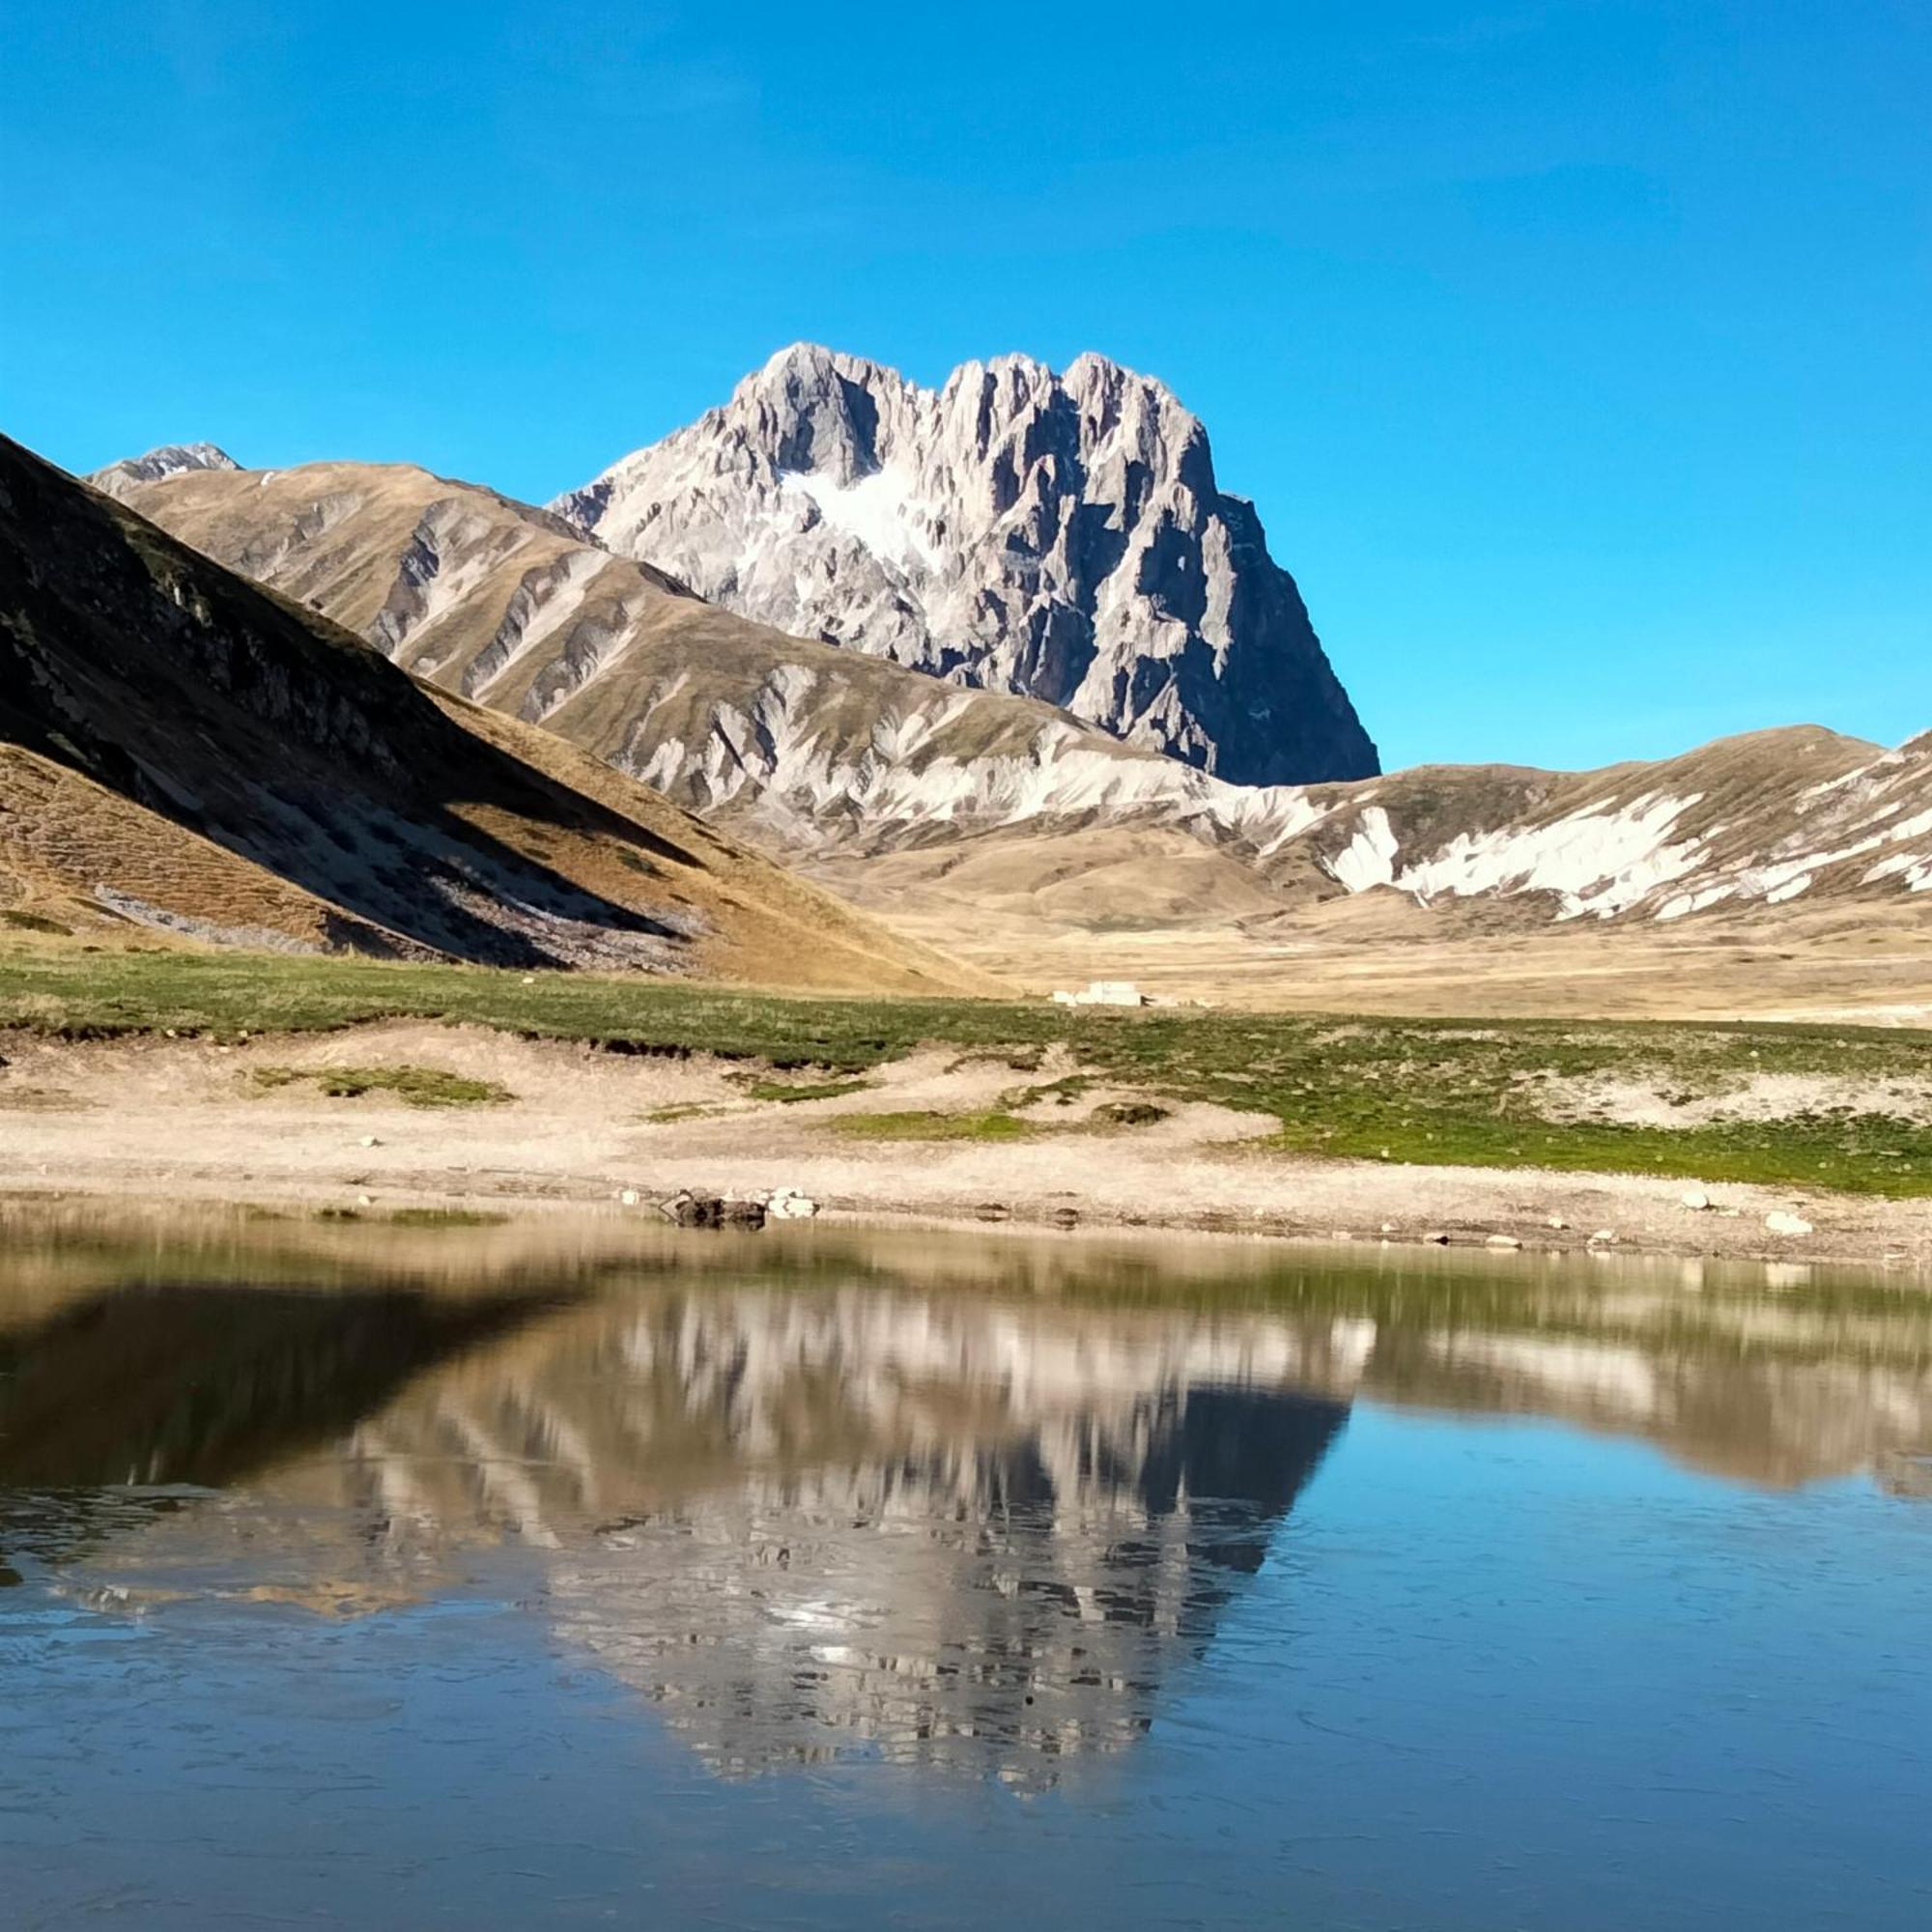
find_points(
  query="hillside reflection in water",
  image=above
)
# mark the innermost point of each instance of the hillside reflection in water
(977, 1507)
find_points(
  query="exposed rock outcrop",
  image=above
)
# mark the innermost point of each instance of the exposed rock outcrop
(170, 460)
(1061, 536)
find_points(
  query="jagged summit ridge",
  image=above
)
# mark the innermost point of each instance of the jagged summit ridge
(1060, 535)
(171, 459)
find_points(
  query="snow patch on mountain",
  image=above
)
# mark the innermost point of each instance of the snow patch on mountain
(832, 752)
(1600, 863)
(1369, 859)
(877, 510)
(1657, 850)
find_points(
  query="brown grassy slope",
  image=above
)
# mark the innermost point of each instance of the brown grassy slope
(63, 837)
(1744, 789)
(773, 928)
(502, 602)
(199, 756)
(507, 605)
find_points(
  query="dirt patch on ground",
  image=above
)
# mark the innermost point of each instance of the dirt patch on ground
(151, 1117)
(1765, 1096)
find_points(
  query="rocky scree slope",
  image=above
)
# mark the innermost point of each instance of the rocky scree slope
(1057, 536)
(183, 751)
(838, 755)
(1753, 824)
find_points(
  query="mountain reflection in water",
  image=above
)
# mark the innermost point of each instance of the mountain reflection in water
(965, 1504)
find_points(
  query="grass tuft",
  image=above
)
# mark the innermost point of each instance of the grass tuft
(1061, 1093)
(413, 1085)
(785, 1092)
(921, 1125)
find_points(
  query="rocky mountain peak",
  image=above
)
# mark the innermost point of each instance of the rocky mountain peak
(1056, 534)
(815, 410)
(171, 459)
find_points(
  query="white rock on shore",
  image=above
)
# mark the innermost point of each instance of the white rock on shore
(788, 1203)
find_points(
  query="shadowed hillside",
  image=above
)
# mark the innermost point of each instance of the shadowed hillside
(185, 750)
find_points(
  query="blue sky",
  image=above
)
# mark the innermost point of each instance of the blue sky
(1575, 353)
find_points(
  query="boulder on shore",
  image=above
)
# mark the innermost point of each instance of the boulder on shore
(714, 1211)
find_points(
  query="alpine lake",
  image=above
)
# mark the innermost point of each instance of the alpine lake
(558, 1571)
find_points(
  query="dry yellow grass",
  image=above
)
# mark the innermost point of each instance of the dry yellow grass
(525, 616)
(765, 926)
(1188, 923)
(62, 836)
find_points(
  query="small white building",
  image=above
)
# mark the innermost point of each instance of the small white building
(1103, 993)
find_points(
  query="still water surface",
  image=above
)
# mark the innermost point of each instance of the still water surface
(566, 1574)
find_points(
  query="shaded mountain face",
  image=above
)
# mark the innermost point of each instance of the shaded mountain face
(899, 781)
(183, 749)
(1057, 536)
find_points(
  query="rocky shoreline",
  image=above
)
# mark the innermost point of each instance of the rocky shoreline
(1503, 1213)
